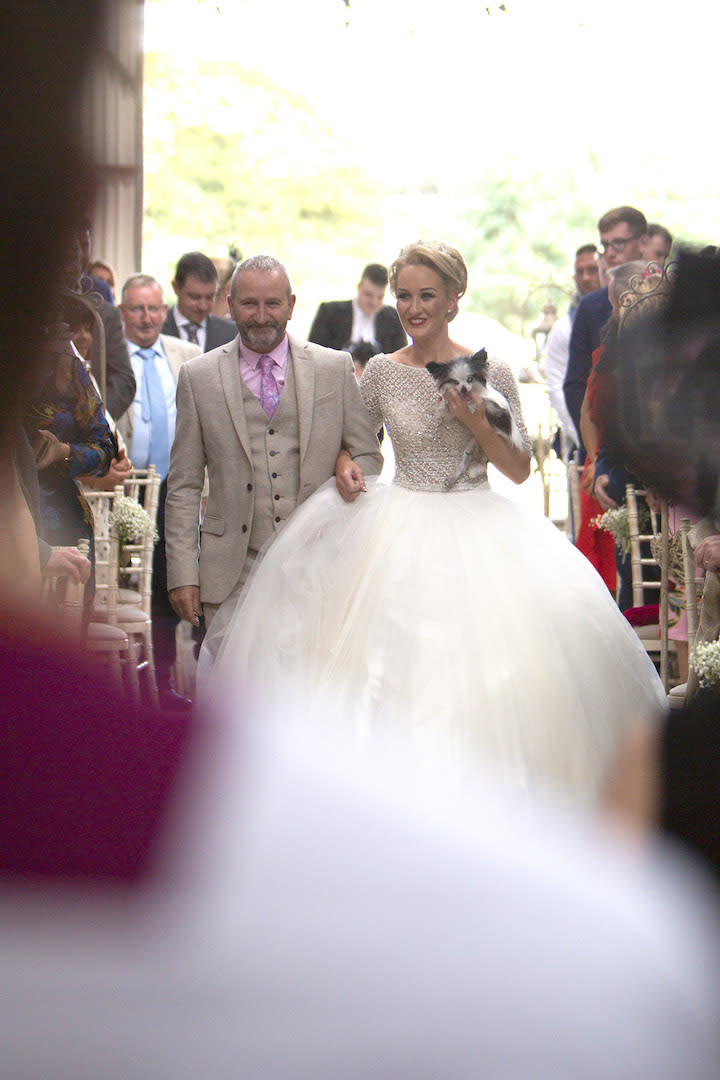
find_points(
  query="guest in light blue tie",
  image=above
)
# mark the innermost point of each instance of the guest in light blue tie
(149, 428)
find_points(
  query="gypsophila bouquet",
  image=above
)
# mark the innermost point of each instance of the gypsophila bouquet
(705, 660)
(617, 522)
(131, 521)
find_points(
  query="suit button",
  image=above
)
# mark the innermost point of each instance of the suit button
(274, 475)
(249, 487)
(274, 452)
(244, 528)
(277, 519)
(276, 497)
(271, 431)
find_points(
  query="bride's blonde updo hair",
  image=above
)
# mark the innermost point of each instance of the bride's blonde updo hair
(446, 261)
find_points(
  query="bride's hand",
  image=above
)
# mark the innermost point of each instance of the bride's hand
(458, 407)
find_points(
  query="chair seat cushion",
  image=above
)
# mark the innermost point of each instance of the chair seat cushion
(124, 613)
(131, 615)
(98, 632)
(643, 615)
(129, 596)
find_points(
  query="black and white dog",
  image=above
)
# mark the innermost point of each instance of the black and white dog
(465, 375)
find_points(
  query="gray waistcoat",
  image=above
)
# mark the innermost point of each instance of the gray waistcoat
(275, 452)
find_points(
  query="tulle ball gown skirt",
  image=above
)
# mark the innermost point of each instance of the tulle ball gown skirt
(455, 620)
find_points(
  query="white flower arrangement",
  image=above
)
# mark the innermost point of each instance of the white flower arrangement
(131, 521)
(617, 522)
(705, 660)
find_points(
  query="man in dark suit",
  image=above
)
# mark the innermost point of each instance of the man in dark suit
(623, 238)
(195, 284)
(340, 323)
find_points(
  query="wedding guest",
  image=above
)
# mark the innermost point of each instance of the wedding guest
(587, 278)
(79, 313)
(623, 238)
(364, 318)
(108, 357)
(659, 243)
(195, 285)
(70, 437)
(149, 428)
(102, 271)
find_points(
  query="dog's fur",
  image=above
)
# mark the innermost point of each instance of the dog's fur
(467, 375)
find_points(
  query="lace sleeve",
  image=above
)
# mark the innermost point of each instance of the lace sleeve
(370, 390)
(502, 379)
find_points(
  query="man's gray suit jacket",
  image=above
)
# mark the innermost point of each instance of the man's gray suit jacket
(211, 431)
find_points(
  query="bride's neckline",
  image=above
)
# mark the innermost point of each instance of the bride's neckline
(414, 367)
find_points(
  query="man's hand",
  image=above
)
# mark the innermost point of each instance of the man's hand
(185, 602)
(600, 492)
(48, 449)
(349, 478)
(67, 562)
(707, 553)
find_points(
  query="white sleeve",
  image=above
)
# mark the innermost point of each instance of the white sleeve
(556, 361)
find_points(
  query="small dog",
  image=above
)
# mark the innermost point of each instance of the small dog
(465, 375)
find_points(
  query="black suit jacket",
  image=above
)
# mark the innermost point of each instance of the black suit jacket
(332, 327)
(591, 315)
(119, 377)
(218, 332)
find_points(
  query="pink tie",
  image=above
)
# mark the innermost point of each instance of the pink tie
(269, 394)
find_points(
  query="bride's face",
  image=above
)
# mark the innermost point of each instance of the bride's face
(423, 302)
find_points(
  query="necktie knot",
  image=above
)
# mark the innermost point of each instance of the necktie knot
(269, 393)
(148, 355)
(191, 330)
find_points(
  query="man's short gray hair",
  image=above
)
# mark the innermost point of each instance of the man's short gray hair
(266, 264)
(137, 281)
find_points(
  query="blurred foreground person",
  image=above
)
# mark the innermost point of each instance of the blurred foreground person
(311, 905)
(665, 424)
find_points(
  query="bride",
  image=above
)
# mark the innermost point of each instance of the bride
(447, 616)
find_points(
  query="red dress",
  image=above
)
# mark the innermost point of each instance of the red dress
(597, 545)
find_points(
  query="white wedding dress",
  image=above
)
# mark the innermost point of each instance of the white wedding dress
(449, 618)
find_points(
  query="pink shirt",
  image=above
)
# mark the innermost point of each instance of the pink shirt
(250, 365)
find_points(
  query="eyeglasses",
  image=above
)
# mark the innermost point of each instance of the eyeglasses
(140, 309)
(617, 245)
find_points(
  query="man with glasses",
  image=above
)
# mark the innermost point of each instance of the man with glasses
(148, 428)
(623, 238)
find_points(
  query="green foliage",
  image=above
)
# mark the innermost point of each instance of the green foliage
(255, 166)
(231, 157)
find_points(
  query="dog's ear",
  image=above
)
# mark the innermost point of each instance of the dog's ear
(479, 365)
(436, 368)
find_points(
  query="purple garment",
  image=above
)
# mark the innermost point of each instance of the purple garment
(269, 393)
(86, 773)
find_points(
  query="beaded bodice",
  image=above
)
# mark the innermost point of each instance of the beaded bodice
(429, 444)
